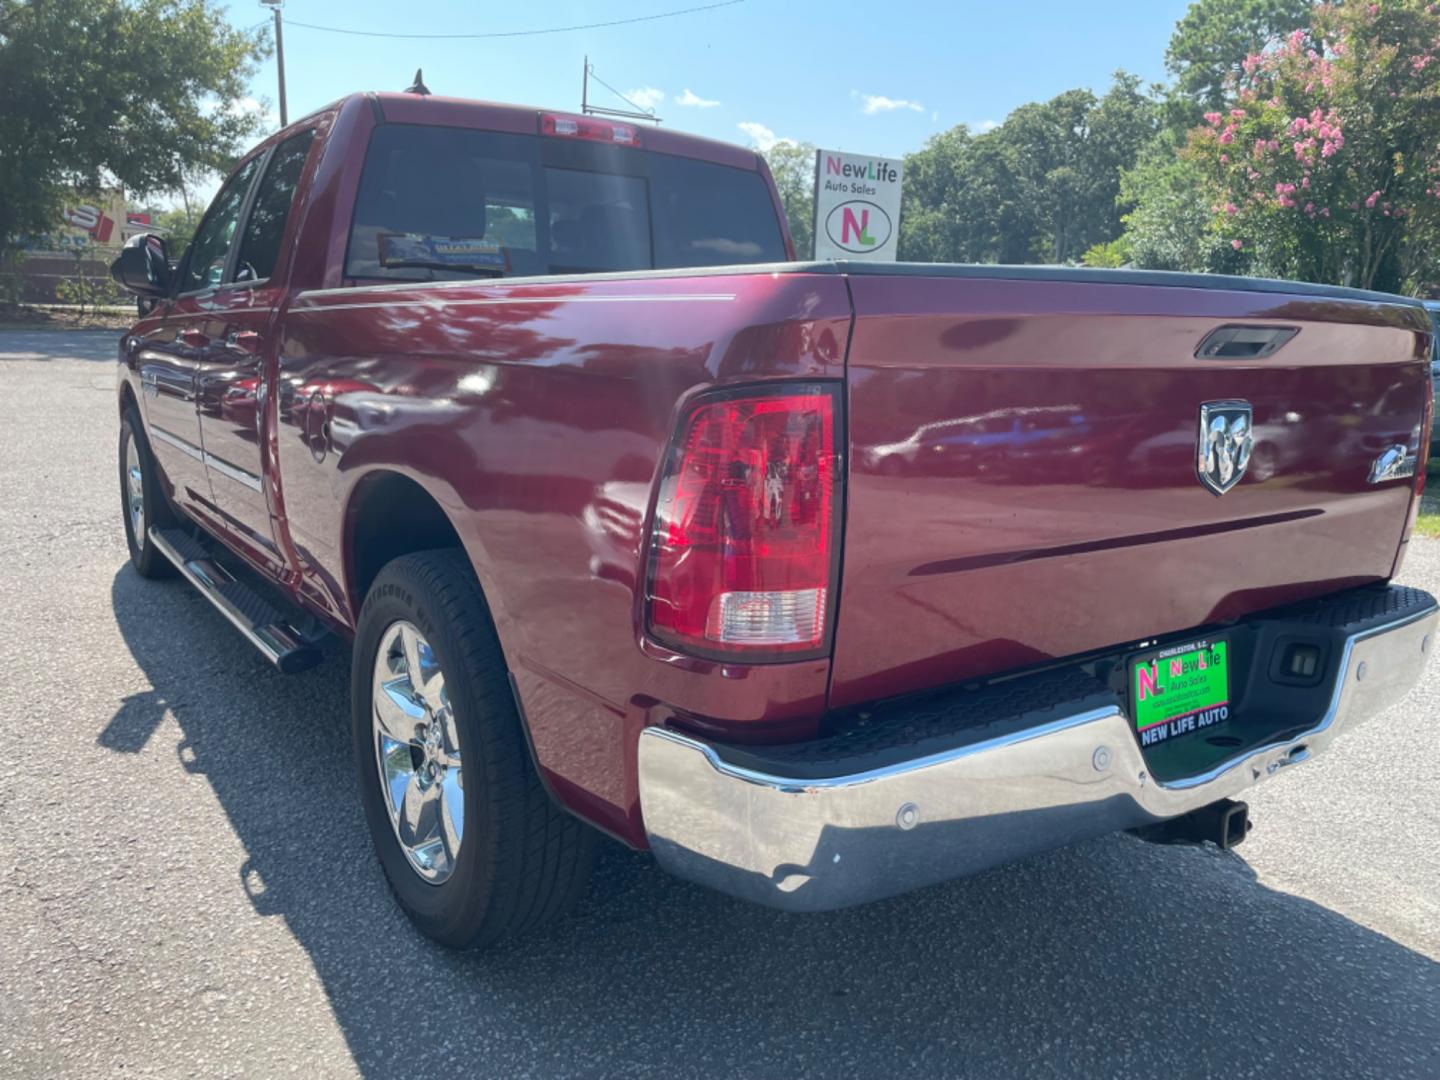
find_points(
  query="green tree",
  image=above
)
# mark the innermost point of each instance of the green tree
(940, 208)
(1213, 38)
(1082, 155)
(1164, 198)
(177, 223)
(1168, 225)
(1042, 187)
(793, 166)
(134, 93)
(1326, 167)
(1110, 255)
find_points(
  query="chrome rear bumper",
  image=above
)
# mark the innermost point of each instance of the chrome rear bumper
(817, 843)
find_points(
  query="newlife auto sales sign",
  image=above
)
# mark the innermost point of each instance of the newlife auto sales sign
(857, 206)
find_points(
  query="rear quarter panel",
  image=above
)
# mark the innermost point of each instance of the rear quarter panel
(537, 414)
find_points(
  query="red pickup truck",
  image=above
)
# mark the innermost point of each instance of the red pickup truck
(821, 581)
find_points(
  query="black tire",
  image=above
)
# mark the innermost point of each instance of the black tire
(148, 561)
(522, 860)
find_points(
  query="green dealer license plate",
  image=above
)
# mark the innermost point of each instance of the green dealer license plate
(1180, 689)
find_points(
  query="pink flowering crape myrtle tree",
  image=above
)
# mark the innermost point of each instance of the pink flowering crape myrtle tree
(1326, 166)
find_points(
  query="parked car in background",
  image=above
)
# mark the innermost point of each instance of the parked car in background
(821, 581)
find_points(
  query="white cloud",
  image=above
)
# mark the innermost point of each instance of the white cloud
(878, 103)
(647, 97)
(694, 100)
(987, 125)
(760, 135)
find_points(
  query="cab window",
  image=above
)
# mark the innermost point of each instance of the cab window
(264, 228)
(205, 261)
(441, 204)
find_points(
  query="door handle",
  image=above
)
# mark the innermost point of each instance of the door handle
(246, 341)
(194, 338)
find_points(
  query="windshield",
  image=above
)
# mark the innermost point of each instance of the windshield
(450, 203)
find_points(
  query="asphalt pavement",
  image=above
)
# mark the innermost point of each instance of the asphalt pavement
(187, 887)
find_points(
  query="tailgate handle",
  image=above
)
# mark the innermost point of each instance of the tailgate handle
(1243, 342)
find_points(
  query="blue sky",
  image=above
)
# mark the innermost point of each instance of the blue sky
(877, 78)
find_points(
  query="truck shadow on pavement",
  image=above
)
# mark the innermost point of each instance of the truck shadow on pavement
(1111, 958)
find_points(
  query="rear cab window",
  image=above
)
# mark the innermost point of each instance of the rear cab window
(442, 204)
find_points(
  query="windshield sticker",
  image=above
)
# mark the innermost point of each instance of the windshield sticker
(410, 249)
(1180, 690)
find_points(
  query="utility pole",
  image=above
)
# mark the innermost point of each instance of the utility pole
(275, 6)
(635, 112)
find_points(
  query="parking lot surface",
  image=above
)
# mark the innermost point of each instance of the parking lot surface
(187, 887)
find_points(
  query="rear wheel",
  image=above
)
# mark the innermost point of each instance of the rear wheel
(470, 841)
(142, 503)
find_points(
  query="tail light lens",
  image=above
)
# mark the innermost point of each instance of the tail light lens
(743, 548)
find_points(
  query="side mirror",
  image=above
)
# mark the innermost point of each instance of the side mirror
(143, 267)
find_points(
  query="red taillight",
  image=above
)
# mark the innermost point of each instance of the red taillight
(743, 545)
(586, 127)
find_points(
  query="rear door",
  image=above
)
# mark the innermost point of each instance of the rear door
(1026, 484)
(233, 375)
(172, 354)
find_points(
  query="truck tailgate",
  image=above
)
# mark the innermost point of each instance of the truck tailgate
(1023, 479)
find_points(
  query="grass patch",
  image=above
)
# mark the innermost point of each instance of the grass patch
(1428, 525)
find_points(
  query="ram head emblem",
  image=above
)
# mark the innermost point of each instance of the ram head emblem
(1226, 439)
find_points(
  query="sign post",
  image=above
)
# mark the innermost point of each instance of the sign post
(857, 206)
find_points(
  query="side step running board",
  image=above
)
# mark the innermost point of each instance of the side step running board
(251, 614)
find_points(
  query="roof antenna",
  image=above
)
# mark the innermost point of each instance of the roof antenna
(418, 87)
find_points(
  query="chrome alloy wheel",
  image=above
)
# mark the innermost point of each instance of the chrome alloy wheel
(417, 751)
(134, 490)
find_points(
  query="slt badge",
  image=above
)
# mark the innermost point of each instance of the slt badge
(1226, 440)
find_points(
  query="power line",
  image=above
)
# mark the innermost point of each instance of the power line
(523, 33)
